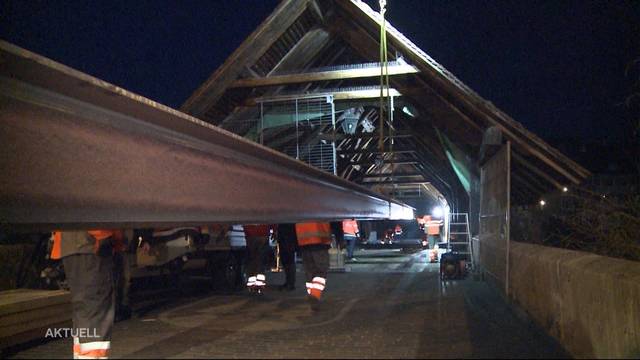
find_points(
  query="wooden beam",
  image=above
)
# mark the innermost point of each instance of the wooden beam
(337, 95)
(316, 11)
(356, 73)
(298, 57)
(249, 52)
(303, 52)
(535, 170)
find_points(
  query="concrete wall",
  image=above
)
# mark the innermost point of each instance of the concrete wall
(590, 303)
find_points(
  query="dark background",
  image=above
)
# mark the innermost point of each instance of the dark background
(558, 67)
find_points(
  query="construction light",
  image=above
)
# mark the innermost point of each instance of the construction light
(437, 211)
(565, 189)
(542, 203)
(407, 111)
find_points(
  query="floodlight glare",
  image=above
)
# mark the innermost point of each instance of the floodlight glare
(437, 211)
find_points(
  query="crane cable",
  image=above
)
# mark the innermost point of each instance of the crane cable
(384, 83)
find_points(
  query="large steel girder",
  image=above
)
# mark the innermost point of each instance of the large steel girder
(80, 153)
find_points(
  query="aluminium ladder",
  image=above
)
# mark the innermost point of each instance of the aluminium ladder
(460, 236)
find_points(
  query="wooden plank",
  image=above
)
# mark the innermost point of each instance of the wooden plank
(42, 322)
(35, 314)
(357, 73)
(30, 335)
(249, 52)
(15, 301)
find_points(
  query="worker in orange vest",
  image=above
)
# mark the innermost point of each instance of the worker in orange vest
(257, 241)
(314, 240)
(351, 234)
(87, 257)
(433, 230)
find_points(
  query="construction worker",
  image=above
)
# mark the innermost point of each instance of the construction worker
(351, 234)
(388, 236)
(314, 240)
(122, 253)
(87, 257)
(287, 242)
(257, 240)
(433, 230)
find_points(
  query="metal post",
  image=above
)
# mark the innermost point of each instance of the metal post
(297, 135)
(261, 123)
(333, 142)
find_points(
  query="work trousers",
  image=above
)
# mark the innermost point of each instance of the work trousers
(90, 279)
(315, 260)
(256, 246)
(433, 240)
(288, 258)
(351, 244)
(122, 279)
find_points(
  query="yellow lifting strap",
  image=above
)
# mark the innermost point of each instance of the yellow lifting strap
(384, 84)
(384, 71)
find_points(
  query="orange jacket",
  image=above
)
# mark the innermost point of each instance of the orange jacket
(433, 226)
(99, 235)
(313, 233)
(350, 227)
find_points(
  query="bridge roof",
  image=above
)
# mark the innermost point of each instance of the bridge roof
(310, 47)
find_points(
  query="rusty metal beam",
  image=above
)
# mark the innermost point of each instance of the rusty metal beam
(82, 153)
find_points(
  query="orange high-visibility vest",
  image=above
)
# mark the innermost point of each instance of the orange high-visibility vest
(433, 227)
(313, 233)
(99, 235)
(350, 227)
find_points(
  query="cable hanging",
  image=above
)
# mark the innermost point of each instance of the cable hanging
(384, 84)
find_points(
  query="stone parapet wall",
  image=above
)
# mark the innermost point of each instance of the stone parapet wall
(589, 303)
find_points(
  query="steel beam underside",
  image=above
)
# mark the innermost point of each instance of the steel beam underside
(81, 153)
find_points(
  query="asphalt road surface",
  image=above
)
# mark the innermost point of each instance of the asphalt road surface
(390, 303)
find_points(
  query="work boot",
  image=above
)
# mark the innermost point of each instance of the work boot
(314, 303)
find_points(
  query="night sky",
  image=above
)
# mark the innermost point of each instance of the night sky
(558, 67)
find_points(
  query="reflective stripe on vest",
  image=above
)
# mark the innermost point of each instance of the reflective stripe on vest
(236, 236)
